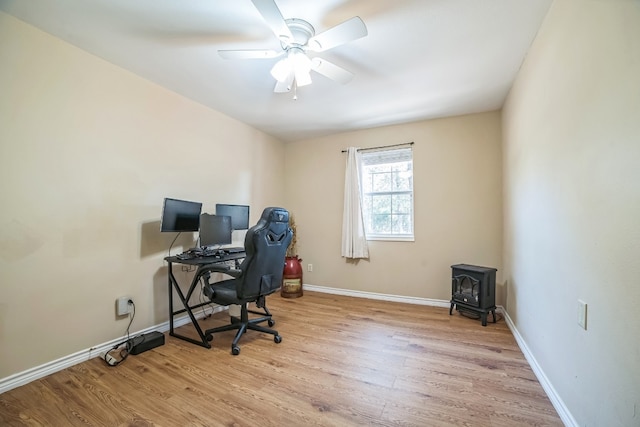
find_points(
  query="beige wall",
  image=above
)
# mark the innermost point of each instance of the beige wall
(458, 206)
(88, 151)
(572, 206)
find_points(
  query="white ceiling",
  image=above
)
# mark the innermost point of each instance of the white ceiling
(422, 59)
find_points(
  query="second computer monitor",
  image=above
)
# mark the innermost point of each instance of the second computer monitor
(180, 215)
(215, 230)
(239, 215)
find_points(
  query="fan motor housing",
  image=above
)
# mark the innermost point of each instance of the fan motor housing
(301, 30)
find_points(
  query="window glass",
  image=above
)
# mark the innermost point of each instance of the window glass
(387, 193)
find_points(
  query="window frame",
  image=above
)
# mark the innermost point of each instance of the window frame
(386, 156)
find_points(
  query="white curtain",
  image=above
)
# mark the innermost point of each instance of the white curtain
(354, 240)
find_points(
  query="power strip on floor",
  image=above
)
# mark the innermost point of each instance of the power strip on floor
(145, 342)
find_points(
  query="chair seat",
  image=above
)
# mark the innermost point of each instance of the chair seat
(223, 293)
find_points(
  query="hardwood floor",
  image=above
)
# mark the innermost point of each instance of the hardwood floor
(343, 361)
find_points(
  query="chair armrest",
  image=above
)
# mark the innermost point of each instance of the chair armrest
(234, 273)
(221, 268)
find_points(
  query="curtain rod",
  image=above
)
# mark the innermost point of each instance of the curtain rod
(384, 146)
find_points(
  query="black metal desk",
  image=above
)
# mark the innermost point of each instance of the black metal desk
(201, 263)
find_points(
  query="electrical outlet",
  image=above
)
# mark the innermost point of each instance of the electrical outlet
(309, 267)
(582, 314)
(122, 306)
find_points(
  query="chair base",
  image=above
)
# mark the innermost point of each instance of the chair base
(243, 324)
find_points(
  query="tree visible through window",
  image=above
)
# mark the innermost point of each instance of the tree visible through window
(387, 193)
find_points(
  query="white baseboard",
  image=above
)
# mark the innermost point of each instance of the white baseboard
(556, 401)
(38, 372)
(373, 295)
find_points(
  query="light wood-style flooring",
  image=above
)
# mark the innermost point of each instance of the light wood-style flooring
(343, 361)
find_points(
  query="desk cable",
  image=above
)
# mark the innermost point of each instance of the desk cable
(120, 351)
(174, 240)
(204, 281)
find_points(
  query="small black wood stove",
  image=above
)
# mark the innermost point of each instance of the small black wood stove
(473, 290)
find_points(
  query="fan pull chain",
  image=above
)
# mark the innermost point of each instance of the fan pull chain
(295, 90)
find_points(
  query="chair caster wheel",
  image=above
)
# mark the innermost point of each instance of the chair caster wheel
(209, 337)
(271, 322)
(277, 339)
(235, 350)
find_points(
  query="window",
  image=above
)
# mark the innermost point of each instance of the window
(387, 194)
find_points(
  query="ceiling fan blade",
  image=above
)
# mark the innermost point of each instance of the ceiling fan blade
(331, 70)
(249, 54)
(349, 30)
(285, 85)
(270, 12)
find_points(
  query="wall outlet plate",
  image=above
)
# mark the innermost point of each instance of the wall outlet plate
(582, 314)
(122, 306)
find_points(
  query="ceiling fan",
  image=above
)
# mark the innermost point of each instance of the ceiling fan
(297, 38)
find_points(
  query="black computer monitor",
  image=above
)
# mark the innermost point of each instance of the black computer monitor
(239, 215)
(180, 215)
(215, 230)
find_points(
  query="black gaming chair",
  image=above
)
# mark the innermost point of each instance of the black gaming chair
(259, 275)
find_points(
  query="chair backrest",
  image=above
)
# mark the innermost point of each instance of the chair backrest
(265, 245)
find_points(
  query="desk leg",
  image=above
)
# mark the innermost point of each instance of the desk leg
(173, 284)
(171, 279)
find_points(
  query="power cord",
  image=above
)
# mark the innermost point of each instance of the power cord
(204, 281)
(174, 240)
(118, 353)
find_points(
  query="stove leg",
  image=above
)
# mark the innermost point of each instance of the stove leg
(494, 315)
(451, 309)
(484, 319)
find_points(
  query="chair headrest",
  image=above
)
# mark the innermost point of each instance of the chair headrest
(274, 214)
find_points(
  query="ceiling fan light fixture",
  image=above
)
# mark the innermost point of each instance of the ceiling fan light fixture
(301, 65)
(303, 78)
(281, 70)
(299, 60)
(296, 63)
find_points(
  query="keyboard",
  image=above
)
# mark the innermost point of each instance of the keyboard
(195, 253)
(233, 250)
(212, 252)
(205, 252)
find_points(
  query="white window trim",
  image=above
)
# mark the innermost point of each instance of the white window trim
(392, 237)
